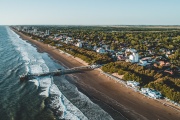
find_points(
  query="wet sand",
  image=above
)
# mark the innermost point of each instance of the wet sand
(114, 98)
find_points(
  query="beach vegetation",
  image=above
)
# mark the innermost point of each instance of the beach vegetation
(168, 86)
(149, 41)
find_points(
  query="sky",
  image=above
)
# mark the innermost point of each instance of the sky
(89, 12)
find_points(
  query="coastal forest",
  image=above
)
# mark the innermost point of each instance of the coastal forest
(149, 41)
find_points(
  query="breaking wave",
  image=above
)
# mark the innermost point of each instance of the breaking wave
(35, 64)
(57, 94)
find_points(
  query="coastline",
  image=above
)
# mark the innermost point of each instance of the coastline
(120, 98)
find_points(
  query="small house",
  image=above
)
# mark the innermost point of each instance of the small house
(100, 50)
(79, 44)
(133, 84)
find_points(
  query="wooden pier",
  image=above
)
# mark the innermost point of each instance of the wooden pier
(58, 72)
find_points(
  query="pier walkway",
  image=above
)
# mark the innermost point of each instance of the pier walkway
(59, 72)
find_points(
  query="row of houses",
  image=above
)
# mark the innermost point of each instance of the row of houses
(146, 91)
(34, 31)
(126, 54)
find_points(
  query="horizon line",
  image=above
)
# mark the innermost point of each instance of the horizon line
(87, 25)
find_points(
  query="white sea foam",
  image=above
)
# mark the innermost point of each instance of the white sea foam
(35, 82)
(45, 82)
(54, 90)
(44, 93)
(85, 105)
(34, 63)
(35, 69)
(69, 111)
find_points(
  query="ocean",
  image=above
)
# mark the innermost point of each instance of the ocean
(43, 98)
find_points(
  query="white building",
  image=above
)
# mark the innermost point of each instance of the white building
(18, 28)
(79, 44)
(106, 47)
(131, 50)
(47, 32)
(68, 39)
(133, 57)
(35, 30)
(151, 93)
(143, 62)
(59, 45)
(146, 61)
(119, 53)
(144, 90)
(133, 84)
(95, 47)
(100, 50)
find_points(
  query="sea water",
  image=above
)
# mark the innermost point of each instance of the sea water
(39, 98)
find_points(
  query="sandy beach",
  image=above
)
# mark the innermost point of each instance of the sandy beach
(114, 97)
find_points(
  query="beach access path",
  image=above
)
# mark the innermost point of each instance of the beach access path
(121, 99)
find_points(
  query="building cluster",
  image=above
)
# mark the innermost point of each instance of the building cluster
(33, 31)
(148, 58)
(146, 91)
(133, 84)
(151, 93)
(125, 54)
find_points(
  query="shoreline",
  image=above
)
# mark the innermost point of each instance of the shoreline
(131, 104)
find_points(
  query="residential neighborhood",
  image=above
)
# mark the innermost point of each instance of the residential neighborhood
(90, 60)
(148, 58)
(142, 61)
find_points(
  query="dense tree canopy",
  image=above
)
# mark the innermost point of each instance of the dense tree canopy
(143, 38)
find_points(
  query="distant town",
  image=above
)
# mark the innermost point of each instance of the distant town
(143, 56)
